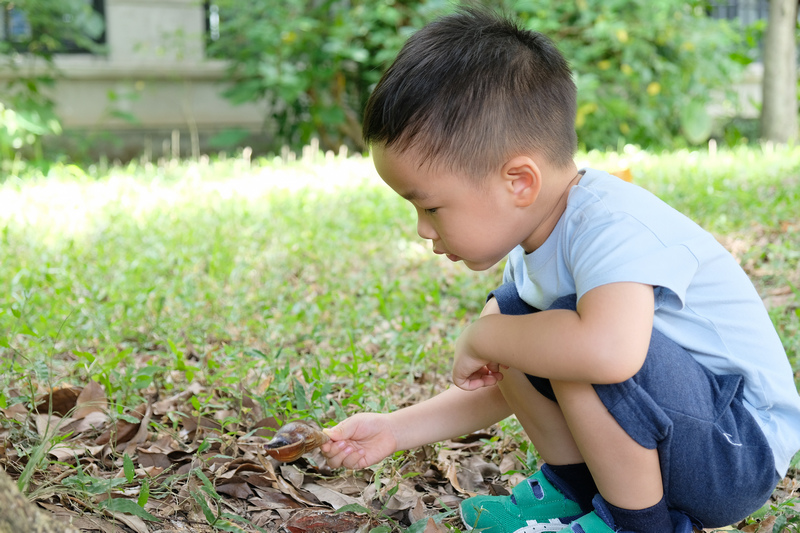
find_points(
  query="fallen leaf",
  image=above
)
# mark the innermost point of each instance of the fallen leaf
(16, 412)
(92, 399)
(404, 497)
(122, 430)
(142, 433)
(433, 527)
(59, 401)
(331, 497)
(50, 425)
(132, 521)
(764, 526)
(418, 512)
(316, 522)
(286, 488)
(269, 498)
(236, 487)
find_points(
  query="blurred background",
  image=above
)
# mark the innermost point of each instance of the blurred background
(149, 79)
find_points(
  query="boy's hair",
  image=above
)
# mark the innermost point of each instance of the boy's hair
(471, 89)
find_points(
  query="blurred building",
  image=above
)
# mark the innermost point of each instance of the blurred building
(152, 87)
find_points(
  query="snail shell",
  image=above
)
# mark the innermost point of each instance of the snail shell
(293, 440)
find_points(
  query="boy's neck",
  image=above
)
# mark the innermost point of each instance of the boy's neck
(551, 204)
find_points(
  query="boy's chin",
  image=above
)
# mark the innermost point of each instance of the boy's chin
(478, 266)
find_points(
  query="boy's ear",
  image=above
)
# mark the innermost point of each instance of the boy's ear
(523, 179)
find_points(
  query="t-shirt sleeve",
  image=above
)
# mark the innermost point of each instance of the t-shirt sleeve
(618, 248)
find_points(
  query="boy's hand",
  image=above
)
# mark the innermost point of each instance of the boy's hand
(471, 372)
(359, 441)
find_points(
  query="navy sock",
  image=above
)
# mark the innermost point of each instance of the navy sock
(654, 519)
(574, 481)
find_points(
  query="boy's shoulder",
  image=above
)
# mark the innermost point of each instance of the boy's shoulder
(602, 198)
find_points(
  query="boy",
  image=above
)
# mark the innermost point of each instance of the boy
(652, 383)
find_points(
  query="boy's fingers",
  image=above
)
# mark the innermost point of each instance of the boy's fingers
(337, 432)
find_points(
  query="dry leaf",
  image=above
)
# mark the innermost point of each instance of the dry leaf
(418, 512)
(142, 432)
(331, 497)
(16, 412)
(316, 522)
(62, 400)
(92, 399)
(404, 498)
(122, 430)
(236, 487)
(433, 527)
(764, 526)
(133, 522)
(269, 498)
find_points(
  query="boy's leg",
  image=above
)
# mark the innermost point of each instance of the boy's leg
(627, 474)
(705, 439)
(542, 420)
(563, 489)
(566, 432)
(540, 416)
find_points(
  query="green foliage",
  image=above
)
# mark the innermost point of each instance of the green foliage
(646, 70)
(314, 62)
(43, 27)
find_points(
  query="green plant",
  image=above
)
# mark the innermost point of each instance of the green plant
(314, 62)
(646, 70)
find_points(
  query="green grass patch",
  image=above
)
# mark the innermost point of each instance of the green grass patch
(294, 290)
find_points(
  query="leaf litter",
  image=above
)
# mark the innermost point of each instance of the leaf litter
(146, 473)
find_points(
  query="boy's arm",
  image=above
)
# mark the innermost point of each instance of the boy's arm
(450, 414)
(604, 341)
(367, 438)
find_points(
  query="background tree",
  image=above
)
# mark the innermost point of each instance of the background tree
(779, 108)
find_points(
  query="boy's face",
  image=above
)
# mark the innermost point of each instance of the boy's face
(464, 221)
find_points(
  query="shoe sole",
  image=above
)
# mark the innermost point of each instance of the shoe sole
(536, 527)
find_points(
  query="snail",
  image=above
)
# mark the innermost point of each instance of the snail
(293, 440)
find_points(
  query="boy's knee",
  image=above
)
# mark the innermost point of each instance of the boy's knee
(491, 307)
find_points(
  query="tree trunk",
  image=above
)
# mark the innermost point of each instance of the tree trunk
(18, 515)
(779, 101)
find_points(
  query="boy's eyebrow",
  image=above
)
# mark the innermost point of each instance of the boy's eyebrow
(415, 194)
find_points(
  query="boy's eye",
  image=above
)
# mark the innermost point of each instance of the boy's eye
(430, 211)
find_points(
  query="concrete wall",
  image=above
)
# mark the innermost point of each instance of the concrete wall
(153, 80)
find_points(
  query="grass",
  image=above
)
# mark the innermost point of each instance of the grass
(285, 290)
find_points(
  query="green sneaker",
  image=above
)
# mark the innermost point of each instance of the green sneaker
(534, 506)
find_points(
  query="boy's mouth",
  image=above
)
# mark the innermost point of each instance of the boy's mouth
(451, 257)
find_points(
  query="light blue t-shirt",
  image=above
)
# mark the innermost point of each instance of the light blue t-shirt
(613, 231)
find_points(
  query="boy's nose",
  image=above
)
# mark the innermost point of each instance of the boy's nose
(425, 229)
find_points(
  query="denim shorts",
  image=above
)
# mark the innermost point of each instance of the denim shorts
(716, 463)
